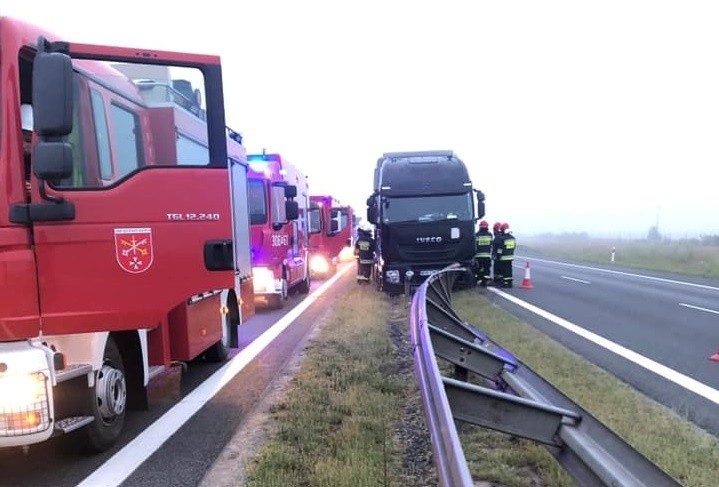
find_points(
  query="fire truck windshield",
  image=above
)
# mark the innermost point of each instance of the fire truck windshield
(428, 208)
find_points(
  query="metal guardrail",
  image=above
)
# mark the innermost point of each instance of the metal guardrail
(518, 401)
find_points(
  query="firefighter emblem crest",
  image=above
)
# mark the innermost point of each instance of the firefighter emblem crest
(133, 249)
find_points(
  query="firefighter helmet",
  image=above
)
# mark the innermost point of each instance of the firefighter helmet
(497, 226)
(505, 227)
(365, 227)
(483, 224)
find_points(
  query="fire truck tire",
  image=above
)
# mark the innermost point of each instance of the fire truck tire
(107, 401)
(220, 350)
(306, 284)
(277, 301)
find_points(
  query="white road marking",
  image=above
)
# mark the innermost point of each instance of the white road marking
(669, 374)
(699, 308)
(651, 278)
(123, 463)
(575, 279)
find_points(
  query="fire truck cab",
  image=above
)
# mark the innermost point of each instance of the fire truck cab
(125, 230)
(278, 204)
(330, 227)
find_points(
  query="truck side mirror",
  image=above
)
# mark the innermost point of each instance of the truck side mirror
(53, 160)
(371, 213)
(52, 97)
(480, 204)
(292, 210)
(334, 226)
(290, 191)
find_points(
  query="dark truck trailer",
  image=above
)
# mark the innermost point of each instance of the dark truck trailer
(423, 211)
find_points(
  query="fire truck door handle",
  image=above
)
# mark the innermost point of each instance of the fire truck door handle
(219, 255)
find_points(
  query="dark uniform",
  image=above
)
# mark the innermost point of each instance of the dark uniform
(364, 251)
(496, 245)
(483, 254)
(506, 255)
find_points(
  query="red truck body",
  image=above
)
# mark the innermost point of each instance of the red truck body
(124, 231)
(330, 233)
(278, 203)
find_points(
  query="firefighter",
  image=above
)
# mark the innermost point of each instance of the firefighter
(496, 246)
(506, 256)
(483, 253)
(364, 251)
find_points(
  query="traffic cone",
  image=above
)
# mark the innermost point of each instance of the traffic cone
(715, 357)
(527, 281)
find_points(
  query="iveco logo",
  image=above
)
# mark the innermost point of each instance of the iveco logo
(429, 239)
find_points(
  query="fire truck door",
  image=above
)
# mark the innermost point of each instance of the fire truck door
(141, 179)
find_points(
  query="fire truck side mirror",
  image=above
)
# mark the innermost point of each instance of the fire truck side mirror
(371, 213)
(334, 226)
(290, 192)
(52, 96)
(292, 210)
(53, 160)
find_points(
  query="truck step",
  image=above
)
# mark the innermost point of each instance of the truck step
(72, 423)
(71, 371)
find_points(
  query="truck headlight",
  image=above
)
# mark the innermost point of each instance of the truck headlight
(392, 276)
(319, 264)
(264, 280)
(24, 405)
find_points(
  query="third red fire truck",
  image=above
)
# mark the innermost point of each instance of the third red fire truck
(124, 230)
(278, 203)
(330, 233)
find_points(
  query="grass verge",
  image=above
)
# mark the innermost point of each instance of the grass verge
(685, 452)
(340, 421)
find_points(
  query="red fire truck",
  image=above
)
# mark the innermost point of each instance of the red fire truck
(330, 232)
(278, 203)
(124, 230)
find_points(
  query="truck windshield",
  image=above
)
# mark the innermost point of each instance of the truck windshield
(428, 208)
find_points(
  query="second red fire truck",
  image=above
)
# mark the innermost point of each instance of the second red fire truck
(278, 204)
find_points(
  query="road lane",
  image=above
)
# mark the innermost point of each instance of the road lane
(639, 313)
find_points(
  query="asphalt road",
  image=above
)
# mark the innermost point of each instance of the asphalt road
(182, 458)
(661, 328)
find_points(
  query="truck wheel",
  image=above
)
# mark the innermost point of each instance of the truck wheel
(107, 401)
(277, 301)
(220, 350)
(306, 284)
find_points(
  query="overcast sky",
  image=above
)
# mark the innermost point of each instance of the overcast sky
(572, 116)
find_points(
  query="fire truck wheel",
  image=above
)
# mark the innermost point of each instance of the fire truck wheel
(107, 401)
(277, 301)
(306, 284)
(220, 350)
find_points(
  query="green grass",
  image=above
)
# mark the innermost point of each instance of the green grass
(685, 452)
(689, 257)
(335, 427)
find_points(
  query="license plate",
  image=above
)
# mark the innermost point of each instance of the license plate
(426, 273)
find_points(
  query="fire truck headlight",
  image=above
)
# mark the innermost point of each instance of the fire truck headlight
(24, 404)
(319, 264)
(392, 276)
(264, 280)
